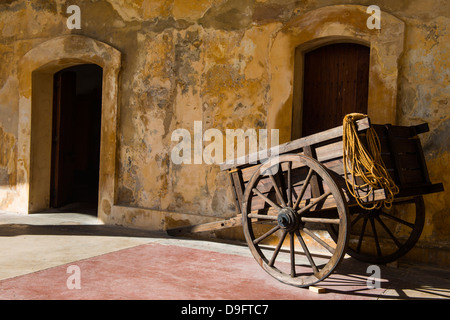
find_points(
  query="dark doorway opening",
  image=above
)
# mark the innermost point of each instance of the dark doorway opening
(76, 130)
(335, 83)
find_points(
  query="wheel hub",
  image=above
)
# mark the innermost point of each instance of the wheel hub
(287, 219)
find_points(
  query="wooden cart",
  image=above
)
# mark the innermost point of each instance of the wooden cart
(296, 203)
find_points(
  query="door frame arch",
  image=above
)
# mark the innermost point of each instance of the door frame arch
(327, 25)
(35, 72)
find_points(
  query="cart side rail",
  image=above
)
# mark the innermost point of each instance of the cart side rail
(294, 146)
(402, 154)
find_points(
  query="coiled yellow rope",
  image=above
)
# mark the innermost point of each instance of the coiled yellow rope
(365, 165)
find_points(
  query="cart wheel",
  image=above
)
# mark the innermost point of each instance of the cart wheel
(384, 235)
(289, 211)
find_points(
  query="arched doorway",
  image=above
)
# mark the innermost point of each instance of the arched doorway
(323, 26)
(36, 71)
(335, 83)
(76, 124)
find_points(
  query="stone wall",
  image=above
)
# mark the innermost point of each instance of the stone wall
(229, 64)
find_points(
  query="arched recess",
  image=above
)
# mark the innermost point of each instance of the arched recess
(36, 71)
(326, 25)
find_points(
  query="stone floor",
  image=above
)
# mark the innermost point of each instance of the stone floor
(41, 251)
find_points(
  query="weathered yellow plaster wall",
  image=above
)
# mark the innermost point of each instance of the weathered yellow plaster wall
(229, 64)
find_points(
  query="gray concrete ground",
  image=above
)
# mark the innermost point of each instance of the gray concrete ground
(36, 242)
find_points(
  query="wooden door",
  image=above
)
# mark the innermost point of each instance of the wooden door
(335, 83)
(62, 144)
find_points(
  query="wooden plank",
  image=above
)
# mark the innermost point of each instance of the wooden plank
(329, 151)
(377, 195)
(414, 176)
(248, 172)
(204, 227)
(420, 128)
(384, 144)
(416, 190)
(405, 145)
(409, 161)
(400, 131)
(296, 145)
(398, 177)
(336, 166)
(381, 130)
(387, 160)
(407, 131)
(317, 290)
(239, 187)
(236, 199)
(421, 159)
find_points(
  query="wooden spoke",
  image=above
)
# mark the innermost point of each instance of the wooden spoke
(320, 220)
(281, 180)
(312, 204)
(292, 249)
(363, 230)
(261, 216)
(307, 253)
(277, 190)
(397, 219)
(302, 191)
(277, 249)
(355, 221)
(318, 240)
(375, 235)
(397, 243)
(267, 234)
(289, 194)
(272, 204)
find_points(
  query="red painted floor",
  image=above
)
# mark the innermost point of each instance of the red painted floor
(156, 271)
